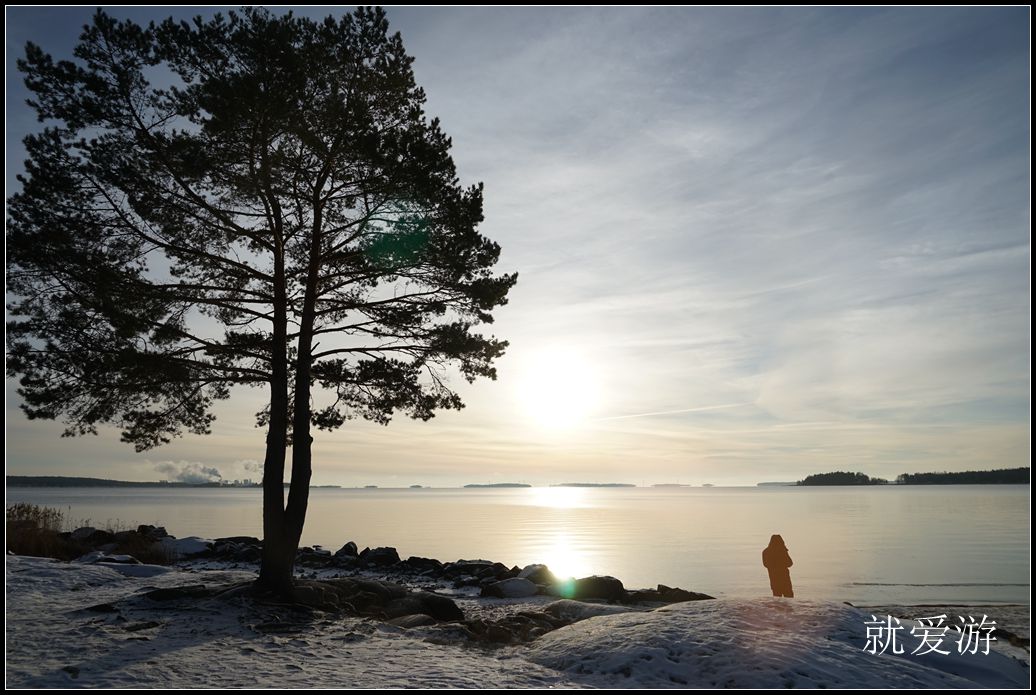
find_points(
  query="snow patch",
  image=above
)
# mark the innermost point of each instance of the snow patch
(763, 643)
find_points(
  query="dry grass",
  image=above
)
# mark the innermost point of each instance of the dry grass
(37, 531)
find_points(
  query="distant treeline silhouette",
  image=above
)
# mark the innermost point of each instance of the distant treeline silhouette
(1001, 476)
(841, 478)
(69, 481)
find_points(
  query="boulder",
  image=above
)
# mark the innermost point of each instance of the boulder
(386, 600)
(671, 595)
(92, 536)
(240, 540)
(607, 588)
(511, 588)
(463, 568)
(382, 557)
(153, 532)
(347, 550)
(119, 559)
(415, 620)
(538, 574)
(184, 547)
(424, 564)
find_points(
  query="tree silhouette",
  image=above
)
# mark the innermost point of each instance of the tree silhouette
(251, 200)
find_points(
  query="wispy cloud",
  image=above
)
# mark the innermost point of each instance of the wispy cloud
(819, 212)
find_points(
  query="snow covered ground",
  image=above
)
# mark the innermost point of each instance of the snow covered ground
(55, 640)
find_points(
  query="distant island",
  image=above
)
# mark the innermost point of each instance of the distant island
(72, 481)
(670, 485)
(841, 478)
(1001, 476)
(498, 485)
(594, 485)
(66, 481)
(417, 487)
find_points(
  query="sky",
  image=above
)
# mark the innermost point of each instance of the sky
(752, 244)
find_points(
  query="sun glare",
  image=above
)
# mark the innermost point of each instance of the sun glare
(559, 389)
(558, 497)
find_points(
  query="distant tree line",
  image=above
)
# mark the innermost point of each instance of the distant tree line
(1001, 476)
(841, 478)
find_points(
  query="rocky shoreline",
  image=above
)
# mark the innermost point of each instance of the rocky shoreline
(377, 583)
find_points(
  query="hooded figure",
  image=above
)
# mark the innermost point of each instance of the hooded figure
(777, 561)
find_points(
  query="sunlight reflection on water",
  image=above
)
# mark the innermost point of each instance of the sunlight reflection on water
(888, 544)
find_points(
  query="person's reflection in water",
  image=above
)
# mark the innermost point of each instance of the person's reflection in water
(777, 561)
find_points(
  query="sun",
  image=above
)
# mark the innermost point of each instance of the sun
(559, 388)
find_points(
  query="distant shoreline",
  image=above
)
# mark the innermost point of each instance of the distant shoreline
(919, 479)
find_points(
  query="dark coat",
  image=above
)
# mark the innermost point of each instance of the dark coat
(777, 561)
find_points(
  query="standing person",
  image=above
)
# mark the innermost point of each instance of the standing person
(777, 561)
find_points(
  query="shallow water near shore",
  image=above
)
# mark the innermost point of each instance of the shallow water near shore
(868, 545)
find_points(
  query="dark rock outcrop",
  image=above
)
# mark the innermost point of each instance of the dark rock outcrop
(381, 557)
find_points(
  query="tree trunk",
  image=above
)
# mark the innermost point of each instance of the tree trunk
(301, 440)
(276, 573)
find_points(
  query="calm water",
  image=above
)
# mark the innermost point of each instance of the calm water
(927, 544)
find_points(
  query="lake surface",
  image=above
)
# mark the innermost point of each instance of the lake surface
(894, 544)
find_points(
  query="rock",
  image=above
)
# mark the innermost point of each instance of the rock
(439, 607)
(608, 588)
(511, 588)
(243, 540)
(415, 620)
(538, 574)
(344, 561)
(153, 532)
(465, 568)
(424, 564)
(178, 592)
(92, 536)
(119, 559)
(374, 598)
(499, 634)
(679, 595)
(146, 625)
(380, 556)
(184, 547)
(665, 594)
(568, 611)
(347, 550)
